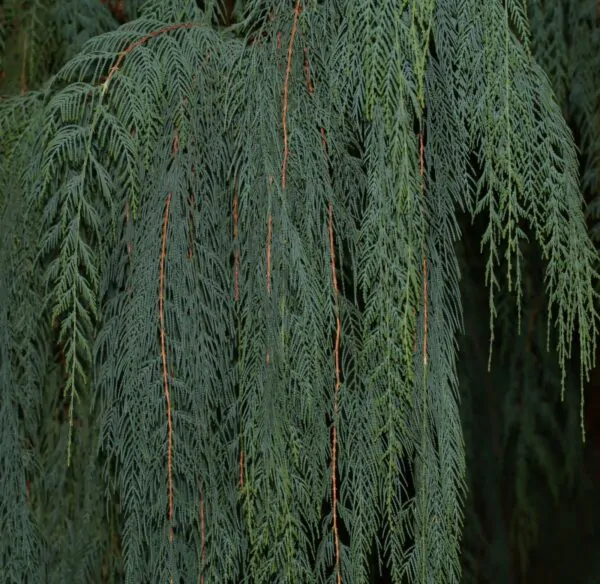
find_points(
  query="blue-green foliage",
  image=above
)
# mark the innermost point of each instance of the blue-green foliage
(230, 253)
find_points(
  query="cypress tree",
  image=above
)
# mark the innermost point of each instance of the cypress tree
(230, 304)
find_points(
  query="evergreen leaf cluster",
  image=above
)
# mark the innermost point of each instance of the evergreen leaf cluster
(231, 299)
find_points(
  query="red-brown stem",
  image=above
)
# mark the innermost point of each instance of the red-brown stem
(140, 42)
(241, 468)
(163, 354)
(338, 383)
(286, 90)
(309, 85)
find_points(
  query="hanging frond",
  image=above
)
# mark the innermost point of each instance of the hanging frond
(228, 338)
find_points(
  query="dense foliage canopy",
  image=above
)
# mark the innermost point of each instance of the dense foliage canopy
(236, 240)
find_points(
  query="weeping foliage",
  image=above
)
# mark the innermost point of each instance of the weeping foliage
(529, 475)
(231, 306)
